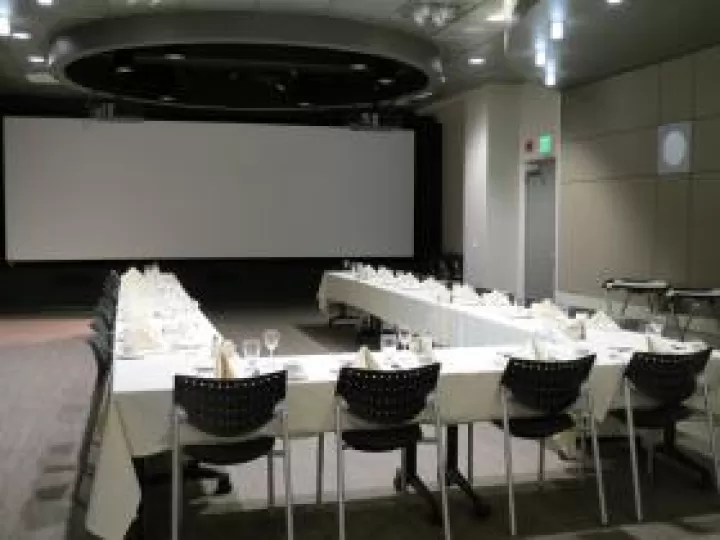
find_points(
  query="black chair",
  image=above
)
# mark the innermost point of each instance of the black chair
(667, 382)
(690, 302)
(233, 412)
(380, 411)
(547, 392)
(102, 354)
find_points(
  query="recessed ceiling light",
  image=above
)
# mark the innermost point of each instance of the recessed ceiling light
(614, 2)
(358, 67)
(443, 79)
(45, 2)
(550, 74)
(385, 81)
(304, 104)
(21, 35)
(497, 17)
(4, 25)
(476, 60)
(36, 59)
(540, 54)
(41, 77)
(174, 56)
(124, 69)
(280, 87)
(557, 30)
(167, 98)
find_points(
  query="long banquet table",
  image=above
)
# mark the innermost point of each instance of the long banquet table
(454, 325)
(141, 395)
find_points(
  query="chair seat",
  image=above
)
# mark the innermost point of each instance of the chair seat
(231, 454)
(382, 440)
(539, 427)
(655, 418)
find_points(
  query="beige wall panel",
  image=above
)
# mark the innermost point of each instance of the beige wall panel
(606, 231)
(628, 101)
(707, 82)
(706, 145)
(705, 232)
(677, 90)
(671, 249)
(621, 155)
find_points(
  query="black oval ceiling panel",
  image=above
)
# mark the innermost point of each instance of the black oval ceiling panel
(260, 61)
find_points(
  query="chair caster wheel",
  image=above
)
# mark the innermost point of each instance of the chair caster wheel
(224, 486)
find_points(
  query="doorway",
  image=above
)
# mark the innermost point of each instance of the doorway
(540, 228)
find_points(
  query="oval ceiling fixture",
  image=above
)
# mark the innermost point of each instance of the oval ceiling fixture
(240, 60)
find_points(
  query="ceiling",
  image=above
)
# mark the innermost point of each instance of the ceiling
(599, 39)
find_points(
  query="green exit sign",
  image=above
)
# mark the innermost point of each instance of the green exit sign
(545, 144)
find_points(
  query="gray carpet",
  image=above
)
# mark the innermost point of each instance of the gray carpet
(44, 391)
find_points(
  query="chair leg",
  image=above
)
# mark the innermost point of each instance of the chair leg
(633, 452)
(270, 480)
(339, 447)
(320, 469)
(541, 464)
(598, 468)
(287, 475)
(470, 452)
(508, 464)
(403, 470)
(711, 434)
(441, 474)
(176, 479)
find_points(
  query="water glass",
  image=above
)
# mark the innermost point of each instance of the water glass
(251, 352)
(388, 345)
(271, 337)
(404, 336)
(655, 325)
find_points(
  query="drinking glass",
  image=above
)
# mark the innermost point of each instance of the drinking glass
(251, 351)
(404, 336)
(388, 345)
(655, 325)
(271, 337)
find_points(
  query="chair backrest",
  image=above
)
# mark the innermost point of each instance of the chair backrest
(387, 397)
(102, 352)
(667, 377)
(230, 407)
(548, 387)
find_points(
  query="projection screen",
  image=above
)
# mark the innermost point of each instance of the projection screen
(80, 189)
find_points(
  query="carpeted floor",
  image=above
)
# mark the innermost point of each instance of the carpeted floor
(46, 374)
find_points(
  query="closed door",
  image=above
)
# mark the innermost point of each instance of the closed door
(540, 230)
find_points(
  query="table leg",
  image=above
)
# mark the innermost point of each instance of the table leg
(670, 450)
(456, 478)
(413, 480)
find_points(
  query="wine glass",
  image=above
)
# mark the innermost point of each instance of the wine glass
(388, 345)
(404, 336)
(271, 337)
(251, 351)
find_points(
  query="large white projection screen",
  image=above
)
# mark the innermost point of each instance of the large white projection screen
(86, 190)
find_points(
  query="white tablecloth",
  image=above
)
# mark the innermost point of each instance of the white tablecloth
(454, 325)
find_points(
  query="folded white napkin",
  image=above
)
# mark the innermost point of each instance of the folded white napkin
(601, 321)
(139, 338)
(364, 359)
(547, 351)
(548, 310)
(407, 281)
(495, 299)
(464, 294)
